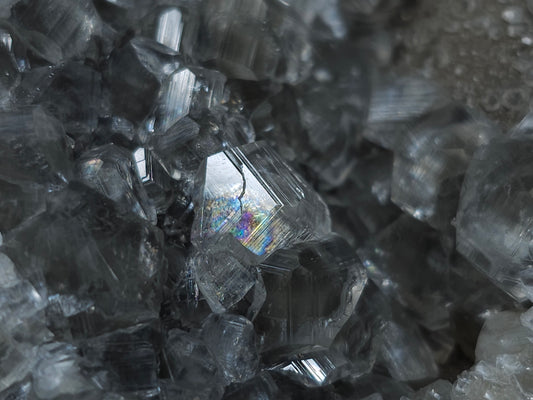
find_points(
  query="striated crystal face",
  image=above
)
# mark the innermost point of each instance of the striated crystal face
(495, 217)
(312, 289)
(239, 197)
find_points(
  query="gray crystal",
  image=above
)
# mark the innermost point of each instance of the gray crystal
(222, 279)
(33, 161)
(58, 29)
(395, 104)
(412, 277)
(431, 160)
(242, 199)
(313, 366)
(231, 339)
(312, 290)
(57, 373)
(261, 387)
(233, 39)
(88, 247)
(75, 96)
(494, 217)
(438, 390)
(125, 360)
(505, 343)
(187, 91)
(110, 170)
(406, 354)
(191, 365)
(486, 381)
(138, 69)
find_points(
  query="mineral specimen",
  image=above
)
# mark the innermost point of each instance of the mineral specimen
(262, 199)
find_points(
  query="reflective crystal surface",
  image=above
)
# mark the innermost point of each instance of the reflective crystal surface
(232, 38)
(265, 199)
(494, 217)
(430, 164)
(312, 290)
(240, 199)
(57, 29)
(109, 170)
(313, 366)
(231, 340)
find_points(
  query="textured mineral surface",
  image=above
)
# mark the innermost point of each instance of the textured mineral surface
(266, 200)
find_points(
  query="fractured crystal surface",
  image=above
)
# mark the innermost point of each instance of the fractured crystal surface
(241, 197)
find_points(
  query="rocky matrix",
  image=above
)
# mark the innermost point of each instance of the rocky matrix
(266, 199)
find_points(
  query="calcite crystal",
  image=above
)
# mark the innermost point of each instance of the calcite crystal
(254, 199)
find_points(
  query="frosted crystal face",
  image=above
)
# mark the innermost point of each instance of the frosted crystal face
(251, 196)
(495, 217)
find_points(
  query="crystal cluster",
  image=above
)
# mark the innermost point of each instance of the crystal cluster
(245, 199)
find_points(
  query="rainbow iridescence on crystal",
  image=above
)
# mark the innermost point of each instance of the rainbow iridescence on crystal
(237, 203)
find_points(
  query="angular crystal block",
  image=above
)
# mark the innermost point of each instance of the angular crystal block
(126, 359)
(486, 381)
(495, 215)
(507, 344)
(431, 160)
(405, 353)
(188, 90)
(57, 373)
(75, 96)
(248, 197)
(169, 25)
(395, 104)
(58, 29)
(262, 386)
(312, 366)
(110, 170)
(136, 71)
(408, 263)
(83, 246)
(222, 279)
(191, 364)
(234, 37)
(231, 339)
(312, 290)
(34, 160)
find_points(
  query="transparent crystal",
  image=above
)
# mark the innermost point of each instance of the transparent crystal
(412, 277)
(187, 91)
(191, 365)
(222, 279)
(494, 221)
(312, 290)
(58, 29)
(431, 160)
(231, 339)
(313, 366)
(233, 39)
(110, 170)
(438, 390)
(138, 69)
(57, 373)
(243, 199)
(395, 104)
